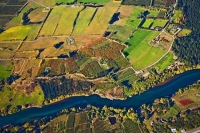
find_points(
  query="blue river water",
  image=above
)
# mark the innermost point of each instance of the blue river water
(166, 89)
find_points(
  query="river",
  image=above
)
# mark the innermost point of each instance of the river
(166, 89)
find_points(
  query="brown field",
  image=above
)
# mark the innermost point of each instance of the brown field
(56, 66)
(37, 15)
(125, 11)
(47, 42)
(41, 43)
(18, 65)
(10, 46)
(57, 53)
(6, 54)
(47, 52)
(103, 15)
(26, 55)
(31, 68)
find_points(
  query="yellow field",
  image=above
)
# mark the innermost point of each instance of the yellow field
(100, 21)
(52, 21)
(83, 20)
(15, 33)
(66, 22)
(33, 32)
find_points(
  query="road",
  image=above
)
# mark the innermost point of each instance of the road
(195, 131)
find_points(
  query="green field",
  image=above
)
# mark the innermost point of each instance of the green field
(33, 32)
(103, 15)
(94, 1)
(128, 75)
(133, 20)
(83, 20)
(15, 33)
(6, 68)
(122, 32)
(147, 23)
(66, 22)
(177, 14)
(140, 53)
(153, 13)
(53, 2)
(52, 21)
(19, 98)
(164, 62)
(185, 32)
(159, 23)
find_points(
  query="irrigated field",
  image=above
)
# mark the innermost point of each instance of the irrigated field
(66, 22)
(52, 21)
(103, 15)
(140, 53)
(83, 20)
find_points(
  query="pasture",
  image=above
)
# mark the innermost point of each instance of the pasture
(122, 32)
(103, 15)
(147, 23)
(185, 32)
(134, 20)
(83, 20)
(66, 22)
(52, 21)
(177, 15)
(159, 23)
(6, 68)
(17, 33)
(153, 13)
(164, 62)
(19, 98)
(139, 52)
